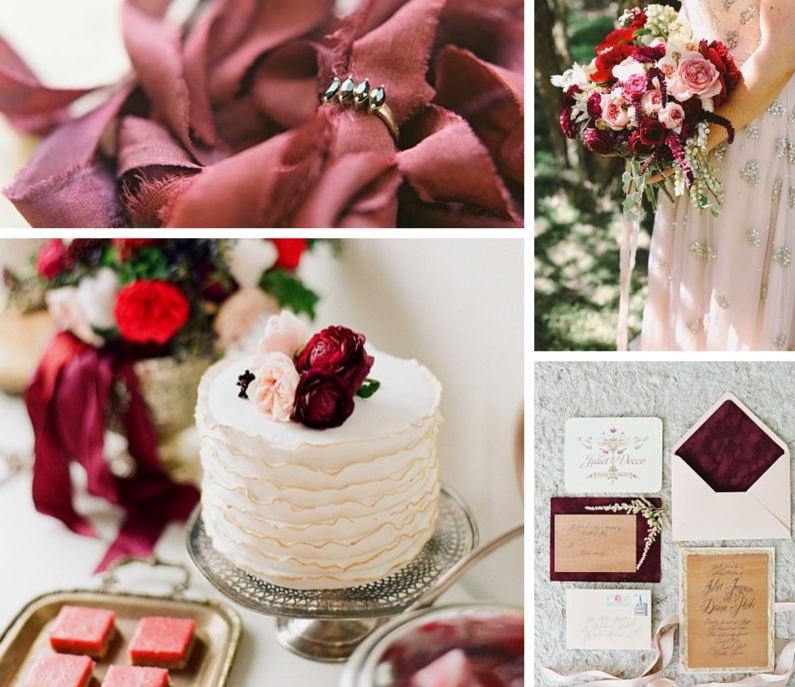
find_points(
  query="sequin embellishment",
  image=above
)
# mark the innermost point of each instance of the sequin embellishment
(777, 185)
(722, 302)
(702, 252)
(781, 147)
(792, 197)
(728, 3)
(752, 131)
(720, 150)
(748, 15)
(777, 109)
(694, 326)
(783, 257)
(731, 39)
(750, 173)
(754, 238)
(780, 342)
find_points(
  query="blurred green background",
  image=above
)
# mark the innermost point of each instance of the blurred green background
(577, 196)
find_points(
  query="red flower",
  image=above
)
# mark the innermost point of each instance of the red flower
(566, 122)
(614, 38)
(652, 132)
(607, 59)
(639, 19)
(322, 400)
(50, 260)
(151, 311)
(594, 105)
(636, 142)
(338, 351)
(129, 247)
(598, 141)
(648, 53)
(290, 252)
(717, 53)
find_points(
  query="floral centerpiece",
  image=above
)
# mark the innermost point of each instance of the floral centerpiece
(308, 380)
(649, 96)
(140, 320)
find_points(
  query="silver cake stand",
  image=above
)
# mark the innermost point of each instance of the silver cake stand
(328, 624)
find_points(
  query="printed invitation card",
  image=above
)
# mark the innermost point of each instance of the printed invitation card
(608, 619)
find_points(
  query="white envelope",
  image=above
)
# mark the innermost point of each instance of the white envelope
(760, 512)
(608, 619)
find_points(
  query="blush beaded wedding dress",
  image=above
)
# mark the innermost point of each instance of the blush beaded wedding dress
(728, 282)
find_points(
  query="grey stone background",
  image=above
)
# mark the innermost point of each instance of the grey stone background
(679, 393)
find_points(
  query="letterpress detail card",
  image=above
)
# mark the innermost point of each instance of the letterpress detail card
(595, 543)
(608, 619)
(613, 454)
(727, 610)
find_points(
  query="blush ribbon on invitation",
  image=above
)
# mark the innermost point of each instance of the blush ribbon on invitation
(664, 646)
(67, 401)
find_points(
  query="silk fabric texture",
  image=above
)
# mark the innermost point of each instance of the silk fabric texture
(220, 124)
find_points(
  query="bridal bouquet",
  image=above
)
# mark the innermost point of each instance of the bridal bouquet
(649, 96)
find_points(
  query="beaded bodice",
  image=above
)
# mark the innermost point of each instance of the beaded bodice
(735, 22)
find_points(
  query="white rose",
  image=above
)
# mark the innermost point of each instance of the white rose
(628, 67)
(65, 308)
(249, 258)
(97, 297)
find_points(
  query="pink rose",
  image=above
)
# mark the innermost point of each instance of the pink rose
(672, 116)
(614, 111)
(284, 333)
(50, 260)
(237, 312)
(651, 102)
(634, 86)
(275, 385)
(667, 65)
(695, 75)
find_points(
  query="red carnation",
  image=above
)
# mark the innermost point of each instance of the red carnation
(638, 20)
(50, 259)
(339, 351)
(129, 247)
(151, 311)
(648, 53)
(609, 58)
(322, 400)
(598, 141)
(290, 252)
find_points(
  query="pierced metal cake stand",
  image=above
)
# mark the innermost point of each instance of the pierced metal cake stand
(328, 624)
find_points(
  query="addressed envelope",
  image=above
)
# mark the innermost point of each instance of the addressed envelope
(608, 619)
(730, 478)
(613, 455)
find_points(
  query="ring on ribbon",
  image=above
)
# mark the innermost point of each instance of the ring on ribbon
(348, 93)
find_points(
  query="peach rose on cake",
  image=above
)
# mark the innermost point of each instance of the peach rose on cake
(284, 333)
(275, 385)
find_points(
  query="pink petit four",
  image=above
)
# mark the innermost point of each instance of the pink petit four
(135, 676)
(162, 642)
(60, 670)
(82, 630)
(449, 670)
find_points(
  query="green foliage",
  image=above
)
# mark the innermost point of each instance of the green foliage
(290, 292)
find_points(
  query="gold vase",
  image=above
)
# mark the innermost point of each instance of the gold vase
(169, 388)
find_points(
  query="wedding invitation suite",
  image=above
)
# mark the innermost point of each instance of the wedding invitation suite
(727, 610)
(608, 619)
(613, 454)
(730, 478)
(605, 539)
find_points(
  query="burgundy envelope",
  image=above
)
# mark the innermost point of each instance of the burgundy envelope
(649, 570)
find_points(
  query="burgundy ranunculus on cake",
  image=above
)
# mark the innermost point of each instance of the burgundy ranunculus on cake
(319, 457)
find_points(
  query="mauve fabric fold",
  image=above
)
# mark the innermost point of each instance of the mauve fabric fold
(222, 125)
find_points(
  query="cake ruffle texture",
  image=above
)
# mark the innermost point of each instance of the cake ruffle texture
(321, 509)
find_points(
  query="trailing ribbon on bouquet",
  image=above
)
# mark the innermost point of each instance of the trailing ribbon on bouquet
(67, 402)
(628, 251)
(664, 644)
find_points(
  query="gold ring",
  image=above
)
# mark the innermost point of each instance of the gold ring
(348, 93)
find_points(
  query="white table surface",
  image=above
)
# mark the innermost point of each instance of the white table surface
(38, 554)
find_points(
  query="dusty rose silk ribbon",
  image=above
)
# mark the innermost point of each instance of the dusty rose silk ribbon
(664, 645)
(628, 251)
(67, 402)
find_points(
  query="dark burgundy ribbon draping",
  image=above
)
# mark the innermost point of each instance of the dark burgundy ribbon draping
(220, 123)
(67, 401)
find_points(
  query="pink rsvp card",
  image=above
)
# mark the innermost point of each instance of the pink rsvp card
(613, 455)
(608, 619)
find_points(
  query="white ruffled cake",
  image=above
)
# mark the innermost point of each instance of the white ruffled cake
(321, 509)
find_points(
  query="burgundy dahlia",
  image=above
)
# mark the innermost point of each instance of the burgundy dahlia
(322, 400)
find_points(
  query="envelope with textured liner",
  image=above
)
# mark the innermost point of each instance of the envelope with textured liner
(730, 478)
(608, 619)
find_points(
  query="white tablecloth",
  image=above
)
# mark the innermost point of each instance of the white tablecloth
(38, 554)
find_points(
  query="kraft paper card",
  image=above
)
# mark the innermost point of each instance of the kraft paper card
(608, 619)
(605, 539)
(727, 610)
(730, 478)
(613, 455)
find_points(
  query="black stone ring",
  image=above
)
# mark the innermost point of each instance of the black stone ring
(348, 93)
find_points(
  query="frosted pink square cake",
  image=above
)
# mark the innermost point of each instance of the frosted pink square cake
(162, 642)
(82, 630)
